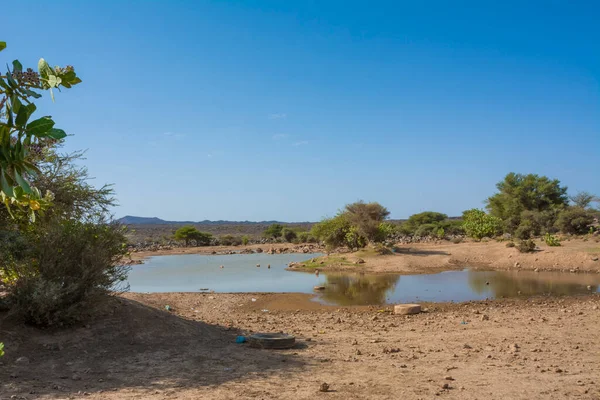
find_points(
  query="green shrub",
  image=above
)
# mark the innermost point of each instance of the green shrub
(406, 229)
(526, 246)
(69, 267)
(477, 224)
(426, 230)
(354, 239)
(424, 218)
(510, 244)
(387, 230)
(524, 231)
(366, 218)
(440, 233)
(273, 231)
(452, 227)
(574, 220)
(190, 234)
(230, 240)
(518, 193)
(288, 234)
(245, 240)
(332, 231)
(303, 237)
(551, 240)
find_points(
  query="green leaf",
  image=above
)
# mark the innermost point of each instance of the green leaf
(31, 168)
(6, 188)
(40, 126)
(31, 108)
(2, 45)
(22, 116)
(18, 192)
(31, 93)
(17, 66)
(16, 104)
(22, 183)
(57, 134)
(11, 82)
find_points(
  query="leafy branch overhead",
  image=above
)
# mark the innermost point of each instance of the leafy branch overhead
(23, 138)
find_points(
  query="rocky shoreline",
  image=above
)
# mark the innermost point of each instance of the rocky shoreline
(136, 257)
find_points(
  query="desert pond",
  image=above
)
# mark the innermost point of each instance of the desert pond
(196, 273)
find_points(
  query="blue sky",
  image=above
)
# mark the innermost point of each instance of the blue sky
(287, 110)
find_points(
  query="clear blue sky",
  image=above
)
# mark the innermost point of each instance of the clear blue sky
(287, 110)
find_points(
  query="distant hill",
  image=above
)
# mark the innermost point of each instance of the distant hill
(153, 229)
(133, 220)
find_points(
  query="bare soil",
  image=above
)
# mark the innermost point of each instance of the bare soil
(576, 255)
(512, 349)
(536, 348)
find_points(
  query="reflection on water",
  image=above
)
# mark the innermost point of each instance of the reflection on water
(193, 272)
(358, 289)
(511, 284)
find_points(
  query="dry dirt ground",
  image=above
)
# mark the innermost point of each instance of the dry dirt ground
(576, 255)
(538, 348)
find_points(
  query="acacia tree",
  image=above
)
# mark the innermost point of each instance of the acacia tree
(21, 136)
(584, 199)
(189, 233)
(274, 230)
(366, 217)
(356, 226)
(519, 193)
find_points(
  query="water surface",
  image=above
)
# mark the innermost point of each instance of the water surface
(195, 272)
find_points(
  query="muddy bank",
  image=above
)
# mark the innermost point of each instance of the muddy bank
(517, 349)
(575, 255)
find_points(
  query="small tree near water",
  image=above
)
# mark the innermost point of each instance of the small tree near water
(190, 234)
(288, 234)
(477, 224)
(274, 231)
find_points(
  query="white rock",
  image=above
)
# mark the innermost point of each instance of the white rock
(406, 309)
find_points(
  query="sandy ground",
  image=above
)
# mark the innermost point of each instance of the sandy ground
(575, 255)
(542, 348)
(509, 349)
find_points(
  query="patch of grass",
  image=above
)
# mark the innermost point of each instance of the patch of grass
(366, 252)
(328, 261)
(378, 250)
